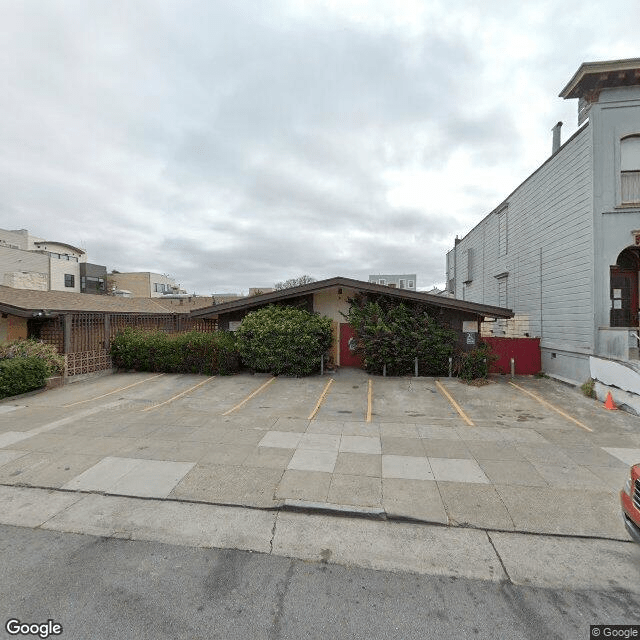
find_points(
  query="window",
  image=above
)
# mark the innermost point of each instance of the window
(402, 284)
(69, 280)
(160, 288)
(411, 284)
(503, 293)
(630, 169)
(468, 266)
(382, 281)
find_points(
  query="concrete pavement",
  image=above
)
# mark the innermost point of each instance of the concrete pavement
(490, 457)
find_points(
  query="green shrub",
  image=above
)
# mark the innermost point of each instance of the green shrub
(474, 364)
(283, 340)
(588, 388)
(193, 352)
(19, 375)
(37, 349)
(394, 334)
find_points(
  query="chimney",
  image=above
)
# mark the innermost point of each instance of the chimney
(457, 241)
(556, 138)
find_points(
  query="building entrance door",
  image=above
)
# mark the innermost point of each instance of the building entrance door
(347, 345)
(624, 289)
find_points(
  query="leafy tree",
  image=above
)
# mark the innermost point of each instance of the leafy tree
(394, 334)
(293, 282)
(283, 340)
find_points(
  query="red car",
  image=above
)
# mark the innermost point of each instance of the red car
(630, 500)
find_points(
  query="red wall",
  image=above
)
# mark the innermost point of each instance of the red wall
(525, 351)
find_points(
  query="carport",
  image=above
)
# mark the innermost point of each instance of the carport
(330, 298)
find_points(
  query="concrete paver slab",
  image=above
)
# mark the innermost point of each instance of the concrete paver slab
(25, 507)
(588, 454)
(512, 472)
(564, 511)
(398, 446)
(478, 505)
(407, 467)
(271, 457)
(230, 454)
(169, 522)
(627, 455)
(562, 563)
(359, 464)
(439, 432)
(613, 477)
(360, 444)
(325, 426)
(544, 454)
(45, 469)
(282, 439)
(387, 546)
(398, 430)
(296, 425)
(312, 486)
(319, 442)
(494, 451)
(358, 491)
(574, 477)
(151, 479)
(438, 448)
(419, 499)
(313, 460)
(10, 438)
(361, 429)
(462, 470)
(103, 475)
(229, 485)
(8, 455)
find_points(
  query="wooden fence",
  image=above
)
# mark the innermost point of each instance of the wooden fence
(84, 338)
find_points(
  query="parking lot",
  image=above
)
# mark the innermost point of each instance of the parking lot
(513, 455)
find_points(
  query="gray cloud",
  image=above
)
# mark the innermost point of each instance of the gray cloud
(238, 144)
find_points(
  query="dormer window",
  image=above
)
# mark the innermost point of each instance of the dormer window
(630, 169)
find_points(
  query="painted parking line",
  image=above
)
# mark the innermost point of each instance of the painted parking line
(252, 395)
(369, 400)
(184, 393)
(104, 395)
(543, 402)
(323, 395)
(454, 404)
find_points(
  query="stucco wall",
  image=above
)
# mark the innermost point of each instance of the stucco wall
(59, 268)
(12, 328)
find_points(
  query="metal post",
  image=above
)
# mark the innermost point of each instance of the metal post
(384, 370)
(67, 333)
(107, 331)
(415, 366)
(450, 366)
(513, 367)
(322, 364)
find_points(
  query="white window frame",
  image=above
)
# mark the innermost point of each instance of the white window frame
(630, 169)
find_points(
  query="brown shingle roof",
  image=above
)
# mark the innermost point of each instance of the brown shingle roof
(26, 302)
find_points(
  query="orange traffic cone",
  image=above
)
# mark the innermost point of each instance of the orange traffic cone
(609, 404)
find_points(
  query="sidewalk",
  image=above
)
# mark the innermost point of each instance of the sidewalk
(519, 467)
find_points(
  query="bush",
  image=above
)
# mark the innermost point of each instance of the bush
(588, 388)
(283, 340)
(19, 375)
(193, 352)
(36, 349)
(395, 334)
(473, 365)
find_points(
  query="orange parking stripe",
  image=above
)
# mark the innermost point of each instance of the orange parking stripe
(454, 404)
(104, 395)
(155, 406)
(550, 406)
(323, 395)
(255, 393)
(369, 400)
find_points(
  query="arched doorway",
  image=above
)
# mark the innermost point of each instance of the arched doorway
(624, 289)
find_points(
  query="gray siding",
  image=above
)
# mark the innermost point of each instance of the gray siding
(16, 260)
(547, 226)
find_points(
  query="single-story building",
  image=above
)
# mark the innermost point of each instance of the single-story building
(330, 298)
(81, 326)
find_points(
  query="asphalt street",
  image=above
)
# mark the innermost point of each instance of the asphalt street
(106, 588)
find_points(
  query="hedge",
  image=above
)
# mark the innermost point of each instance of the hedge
(19, 375)
(37, 349)
(283, 340)
(193, 352)
(394, 334)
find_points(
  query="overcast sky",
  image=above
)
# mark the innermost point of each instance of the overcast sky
(236, 144)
